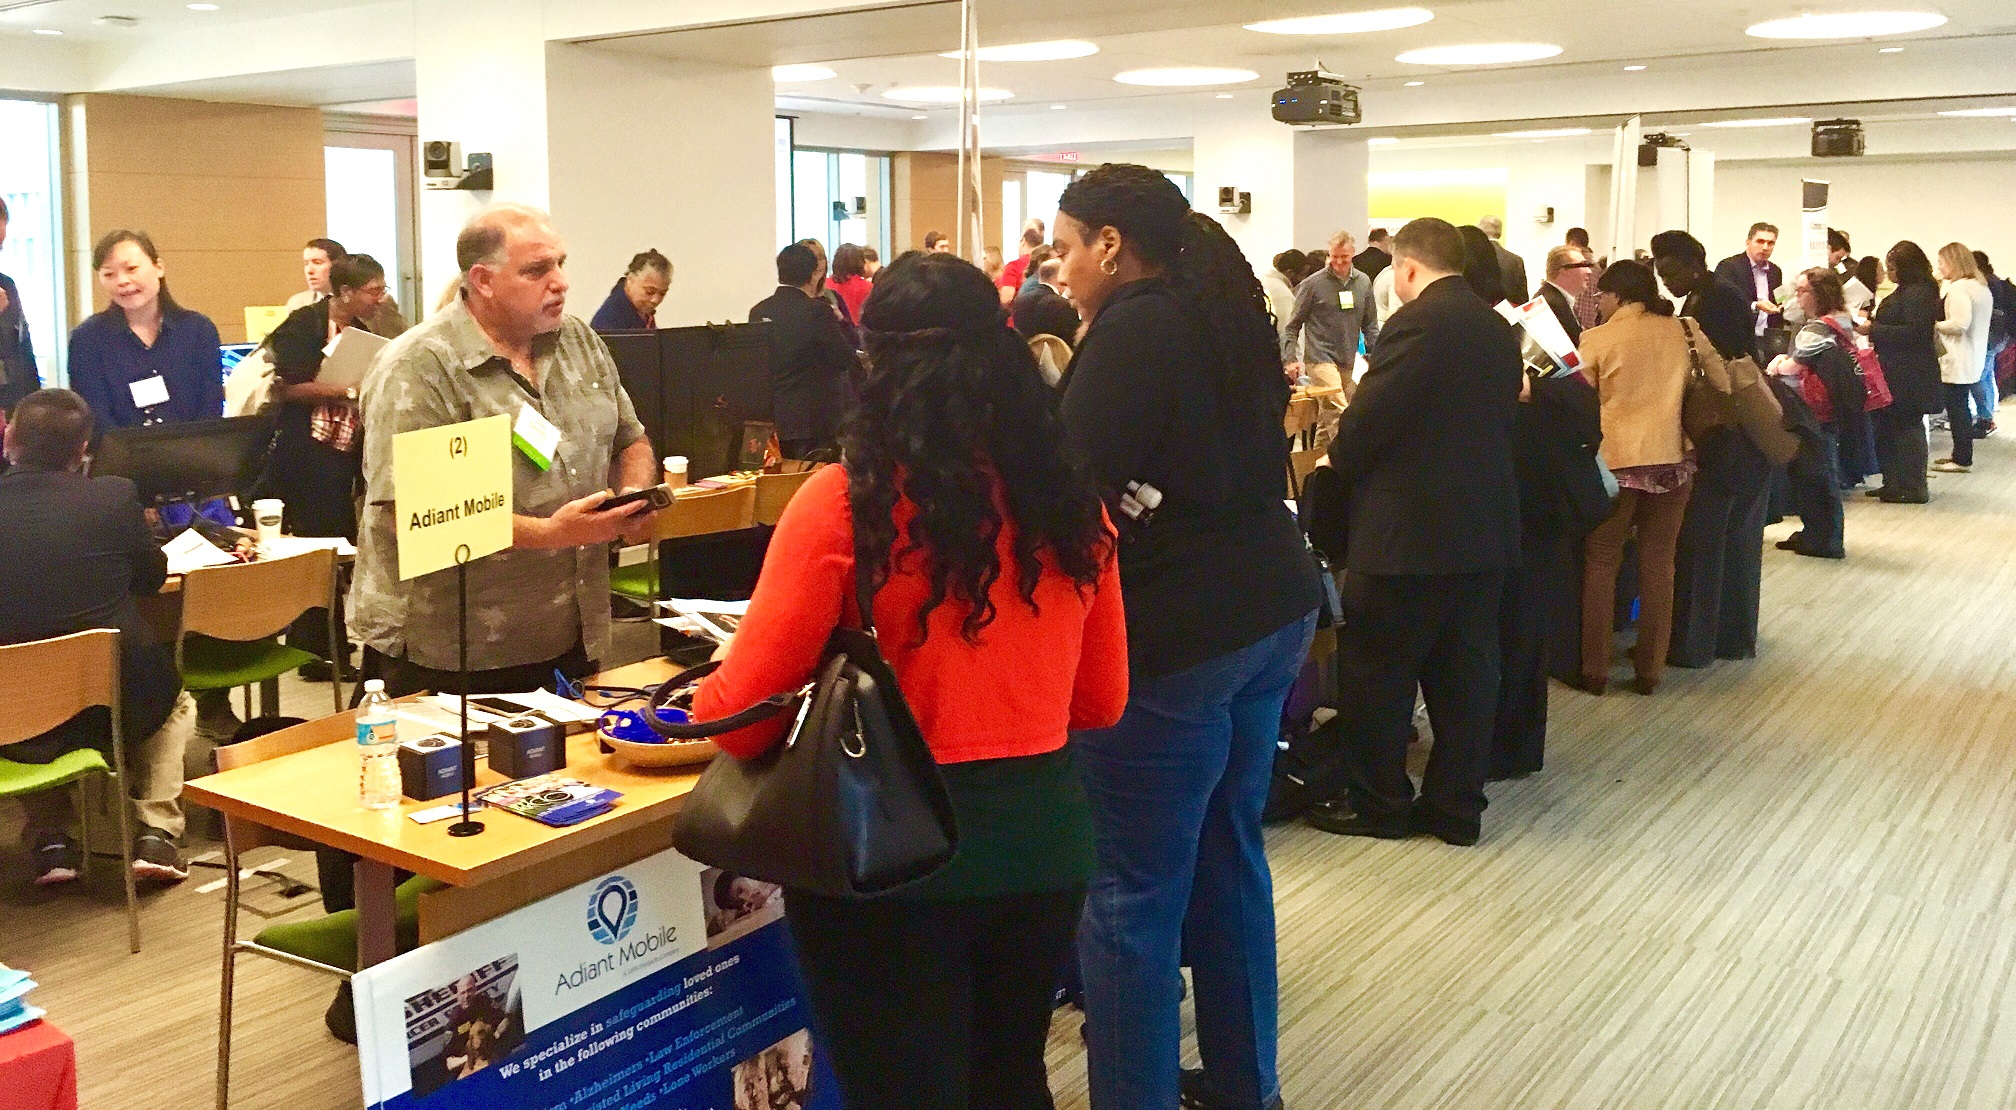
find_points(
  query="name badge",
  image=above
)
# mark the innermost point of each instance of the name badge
(1347, 300)
(535, 437)
(148, 392)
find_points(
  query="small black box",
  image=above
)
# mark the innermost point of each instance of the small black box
(430, 767)
(526, 746)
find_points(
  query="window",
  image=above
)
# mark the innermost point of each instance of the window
(30, 182)
(834, 196)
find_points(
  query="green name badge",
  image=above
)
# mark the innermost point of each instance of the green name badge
(535, 437)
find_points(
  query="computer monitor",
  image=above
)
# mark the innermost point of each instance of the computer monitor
(233, 354)
(187, 462)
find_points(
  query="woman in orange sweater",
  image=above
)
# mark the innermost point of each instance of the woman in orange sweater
(998, 606)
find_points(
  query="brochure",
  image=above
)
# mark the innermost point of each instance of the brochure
(551, 799)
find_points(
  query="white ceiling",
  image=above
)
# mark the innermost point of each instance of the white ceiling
(76, 18)
(874, 51)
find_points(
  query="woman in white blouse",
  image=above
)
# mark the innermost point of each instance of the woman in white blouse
(1969, 307)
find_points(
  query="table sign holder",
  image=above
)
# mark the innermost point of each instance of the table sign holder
(451, 513)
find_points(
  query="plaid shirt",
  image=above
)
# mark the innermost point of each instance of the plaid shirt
(335, 423)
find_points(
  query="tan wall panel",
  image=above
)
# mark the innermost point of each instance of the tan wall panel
(228, 192)
(173, 136)
(928, 185)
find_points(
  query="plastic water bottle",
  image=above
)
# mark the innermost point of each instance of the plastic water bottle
(378, 742)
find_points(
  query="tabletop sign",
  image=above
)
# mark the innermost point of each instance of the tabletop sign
(451, 494)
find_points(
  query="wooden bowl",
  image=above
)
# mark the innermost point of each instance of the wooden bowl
(672, 753)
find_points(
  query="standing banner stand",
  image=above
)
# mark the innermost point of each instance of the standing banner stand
(451, 494)
(1813, 222)
(662, 984)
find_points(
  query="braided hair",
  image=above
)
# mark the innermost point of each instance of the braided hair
(952, 411)
(1207, 272)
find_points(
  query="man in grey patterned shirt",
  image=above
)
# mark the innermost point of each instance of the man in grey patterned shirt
(506, 347)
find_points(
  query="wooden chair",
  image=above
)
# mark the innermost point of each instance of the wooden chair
(693, 514)
(44, 683)
(1300, 417)
(240, 608)
(1300, 463)
(1053, 355)
(774, 491)
(326, 945)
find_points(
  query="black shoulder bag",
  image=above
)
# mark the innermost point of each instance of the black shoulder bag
(849, 805)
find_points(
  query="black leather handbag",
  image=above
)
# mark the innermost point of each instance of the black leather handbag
(849, 805)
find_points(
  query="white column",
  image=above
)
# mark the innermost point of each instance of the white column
(480, 73)
(650, 153)
(1332, 193)
(1306, 184)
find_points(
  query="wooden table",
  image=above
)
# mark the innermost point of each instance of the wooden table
(313, 794)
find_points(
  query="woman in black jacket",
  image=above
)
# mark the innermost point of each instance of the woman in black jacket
(1175, 400)
(1902, 332)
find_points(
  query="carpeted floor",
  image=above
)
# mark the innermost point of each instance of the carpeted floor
(1789, 882)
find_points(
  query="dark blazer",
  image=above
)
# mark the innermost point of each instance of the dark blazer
(17, 350)
(1370, 261)
(1426, 444)
(618, 314)
(1043, 311)
(1554, 435)
(1564, 311)
(1734, 272)
(1725, 318)
(810, 361)
(1902, 333)
(86, 535)
(1512, 273)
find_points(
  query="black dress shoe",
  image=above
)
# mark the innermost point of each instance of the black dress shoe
(1198, 1094)
(1889, 498)
(1339, 818)
(1449, 830)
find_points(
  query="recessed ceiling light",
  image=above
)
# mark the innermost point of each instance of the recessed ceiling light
(1634, 69)
(1414, 84)
(796, 74)
(1846, 25)
(1784, 121)
(202, 7)
(1381, 140)
(1542, 133)
(940, 94)
(1055, 51)
(47, 31)
(1057, 107)
(1179, 76)
(1224, 96)
(1890, 50)
(1345, 23)
(1479, 54)
(920, 117)
(1970, 113)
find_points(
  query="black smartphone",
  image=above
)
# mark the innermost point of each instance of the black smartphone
(497, 705)
(658, 497)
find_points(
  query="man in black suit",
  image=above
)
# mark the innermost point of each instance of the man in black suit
(1377, 255)
(1755, 278)
(1045, 311)
(1425, 450)
(1511, 267)
(811, 357)
(74, 553)
(1568, 272)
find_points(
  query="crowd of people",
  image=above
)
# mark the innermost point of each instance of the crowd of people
(1065, 479)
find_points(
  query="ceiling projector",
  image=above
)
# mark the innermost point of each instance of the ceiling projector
(1316, 97)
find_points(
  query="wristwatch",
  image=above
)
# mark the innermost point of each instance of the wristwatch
(350, 392)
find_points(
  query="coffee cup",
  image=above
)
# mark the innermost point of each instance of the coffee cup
(675, 471)
(267, 512)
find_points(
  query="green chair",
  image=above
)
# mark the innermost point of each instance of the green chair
(44, 683)
(231, 614)
(327, 944)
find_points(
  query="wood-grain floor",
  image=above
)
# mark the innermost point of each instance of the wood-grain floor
(1789, 882)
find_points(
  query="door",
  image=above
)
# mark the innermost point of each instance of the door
(372, 204)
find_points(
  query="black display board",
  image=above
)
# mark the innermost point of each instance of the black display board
(695, 387)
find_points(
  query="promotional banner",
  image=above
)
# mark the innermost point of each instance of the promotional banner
(660, 984)
(1813, 222)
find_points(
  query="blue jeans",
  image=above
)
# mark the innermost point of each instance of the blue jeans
(1176, 790)
(1985, 396)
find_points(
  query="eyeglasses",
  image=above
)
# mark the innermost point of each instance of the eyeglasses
(1579, 266)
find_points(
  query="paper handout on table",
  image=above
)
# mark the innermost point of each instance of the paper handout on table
(715, 620)
(349, 357)
(191, 550)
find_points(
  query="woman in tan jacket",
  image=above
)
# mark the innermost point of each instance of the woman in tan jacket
(1638, 359)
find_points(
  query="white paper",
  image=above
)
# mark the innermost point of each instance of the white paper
(553, 706)
(348, 358)
(426, 719)
(191, 550)
(705, 605)
(148, 392)
(281, 547)
(706, 614)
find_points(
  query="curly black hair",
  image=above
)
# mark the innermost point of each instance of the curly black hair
(1207, 272)
(953, 415)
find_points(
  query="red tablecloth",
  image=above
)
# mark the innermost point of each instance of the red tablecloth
(38, 1068)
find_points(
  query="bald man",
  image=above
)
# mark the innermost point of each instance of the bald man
(505, 347)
